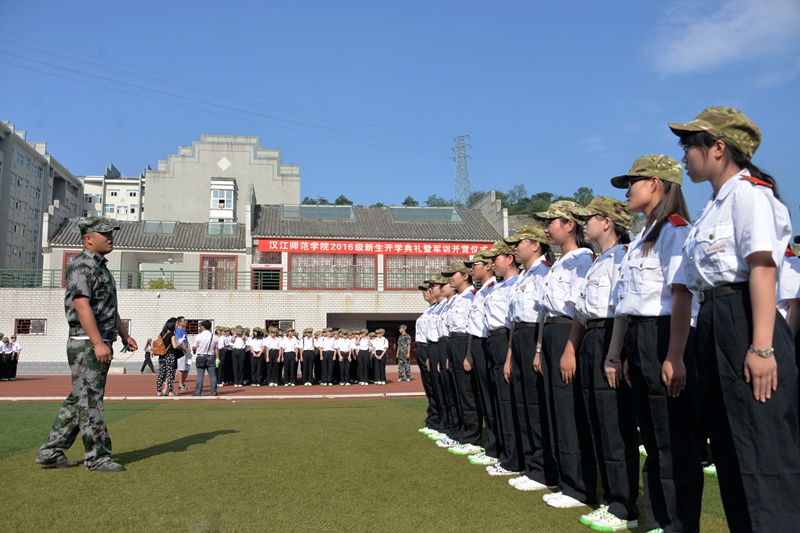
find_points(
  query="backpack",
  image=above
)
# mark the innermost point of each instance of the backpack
(159, 348)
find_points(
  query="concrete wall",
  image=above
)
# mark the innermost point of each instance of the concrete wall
(148, 310)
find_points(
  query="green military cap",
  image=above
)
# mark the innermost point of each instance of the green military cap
(403, 326)
(561, 209)
(344, 331)
(499, 248)
(457, 266)
(612, 208)
(726, 123)
(438, 279)
(529, 231)
(659, 166)
(380, 330)
(327, 330)
(424, 286)
(280, 332)
(364, 330)
(308, 330)
(98, 224)
(247, 330)
(480, 257)
(239, 330)
(290, 330)
(372, 334)
(273, 329)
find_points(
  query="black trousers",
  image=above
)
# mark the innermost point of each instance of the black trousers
(363, 366)
(466, 383)
(477, 348)
(289, 367)
(308, 365)
(612, 418)
(672, 475)
(432, 413)
(508, 431)
(344, 368)
(755, 445)
(437, 353)
(379, 366)
(223, 373)
(148, 361)
(273, 375)
(258, 369)
(539, 463)
(238, 357)
(570, 435)
(327, 366)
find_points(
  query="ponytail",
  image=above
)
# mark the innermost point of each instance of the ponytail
(673, 202)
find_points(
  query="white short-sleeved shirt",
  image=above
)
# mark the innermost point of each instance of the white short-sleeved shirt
(523, 306)
(432, 330)
(441, 317)
(8, 347)
(380, 343)
(307, 343)
(17, 347)
(645, 281)
(238, 343)
(328, 344)
(744, 218)
(290, 344)
(457, 318)
(362, 343)
(592, 294)
(256, 344)
(475, 321)
(555, 295)
(788, 282)
(496, 304)
(420, 332)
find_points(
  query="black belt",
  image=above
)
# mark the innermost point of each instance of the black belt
(456, 334)
(523, 325)
(444, 338)
(422, 344)
(639, 319)
(498, 331)
(715, 292)
(599, 323)
(558, 320)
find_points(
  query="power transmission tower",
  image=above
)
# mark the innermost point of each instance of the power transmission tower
(461, 192)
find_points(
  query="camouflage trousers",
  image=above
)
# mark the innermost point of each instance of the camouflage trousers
(82, 411)
(403, 369)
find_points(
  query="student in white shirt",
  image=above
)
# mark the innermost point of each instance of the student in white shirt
(257, 350)
(379, 345)
(307, 356)
(239, 356)
(289, 353)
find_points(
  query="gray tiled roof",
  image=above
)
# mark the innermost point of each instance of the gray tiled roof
(188, 236)
(374, 223)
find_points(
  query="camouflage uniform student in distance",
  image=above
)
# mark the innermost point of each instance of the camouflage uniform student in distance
(90, 305)
(403, 353)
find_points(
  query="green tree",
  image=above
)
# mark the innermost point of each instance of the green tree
(309, 201)
(160, 284)
(342, 200)
(321, 200)
(410, 202)
(437, 201)
(474, 196)
(583, 196)
(379, 204)
(540, 201)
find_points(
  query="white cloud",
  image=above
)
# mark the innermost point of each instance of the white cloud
(592, 144)
(698, 36)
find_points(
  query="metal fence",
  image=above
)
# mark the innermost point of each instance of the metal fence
(256, 279)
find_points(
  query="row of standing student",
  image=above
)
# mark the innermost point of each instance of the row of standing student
(676, 332)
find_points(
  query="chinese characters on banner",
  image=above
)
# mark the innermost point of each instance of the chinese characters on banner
(325, 246)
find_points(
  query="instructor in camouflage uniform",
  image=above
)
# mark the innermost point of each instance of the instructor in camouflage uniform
(91, 308)
(403, 355)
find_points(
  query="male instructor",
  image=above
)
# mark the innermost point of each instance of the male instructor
(91, 308)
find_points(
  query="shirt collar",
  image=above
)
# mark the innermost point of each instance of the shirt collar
(729, 186)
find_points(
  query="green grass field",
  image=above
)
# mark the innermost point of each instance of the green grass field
(267, 466)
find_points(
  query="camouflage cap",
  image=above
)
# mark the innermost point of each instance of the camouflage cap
(529, 231)
(327, 330)
(561, 209)
(438, 279)
(403, 326)
(424, 286)
(97, 224)
(308, 330)
(482, 256)
(371, 333)
(380, 330)
(273, 329)
(612, 208)
(239, 331)
(457, 266)
(726, 123)
(659, 166)
(364, 330)
(500, 248)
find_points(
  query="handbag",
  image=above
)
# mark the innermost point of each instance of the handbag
(201, 361)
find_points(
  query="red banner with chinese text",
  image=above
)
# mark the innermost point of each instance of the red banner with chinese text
(328, 246)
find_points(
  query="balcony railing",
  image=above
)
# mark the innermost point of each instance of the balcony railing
(256, 279)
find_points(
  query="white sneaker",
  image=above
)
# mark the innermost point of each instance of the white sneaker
(610, 522)
(564, 502)
(447, 442)
(597, 514)
(482, 459)
(499, 470)
(465, 449)
(527, 484)
(550, 495)
(642, 450)
(710, 470)
(514, 480)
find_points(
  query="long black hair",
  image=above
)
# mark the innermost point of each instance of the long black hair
(673, 202)
(169, 326)
(704, 140)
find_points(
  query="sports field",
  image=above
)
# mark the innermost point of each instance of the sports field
(267, 466)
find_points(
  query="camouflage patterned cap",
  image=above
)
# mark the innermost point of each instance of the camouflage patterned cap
(365, 331)
(612, 208)
(327, 330)
(308, 330)
(371, 333)
(403, 326)
(660, 166)
(239, 330)
(273, 329)
(97, 224)
(457, 266)
(500, 248)
(380, 331)
(483, 256)
(726, 123)
(424, 286)
(529, 231)
(438, 279)
(561, 209)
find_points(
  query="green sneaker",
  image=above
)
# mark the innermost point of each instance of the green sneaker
(711, 470)
(643, 452)
(598, 513)
(610, 522)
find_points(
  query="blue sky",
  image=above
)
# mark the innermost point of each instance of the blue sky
(366, 95)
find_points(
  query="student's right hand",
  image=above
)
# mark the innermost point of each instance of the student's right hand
(762, 373)
(537, 363)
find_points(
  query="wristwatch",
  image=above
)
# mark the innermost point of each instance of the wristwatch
(765, 353)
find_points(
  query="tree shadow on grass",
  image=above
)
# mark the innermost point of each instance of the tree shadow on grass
(178, 445)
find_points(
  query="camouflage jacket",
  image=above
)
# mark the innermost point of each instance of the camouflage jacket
(88, 276)
(403, 342)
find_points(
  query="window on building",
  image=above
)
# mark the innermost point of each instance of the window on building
(30, 326)
(88, 198)
(221, 199)
(37, 193)
(159, 227)
(38, 171)
(133, 194)
(193, 325)
(265, 280)
(98, 198)
(122, 210)
(30, 257)
(28, 162)
(222, 228)
(85, 213)
(20, 159)
(403, 272)
(218, 272)
(133, 209)
(332, 271)
(283, 325)
(108, 209)
(35, 214)
(266, 258)
(113, 192)
(69, 255)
